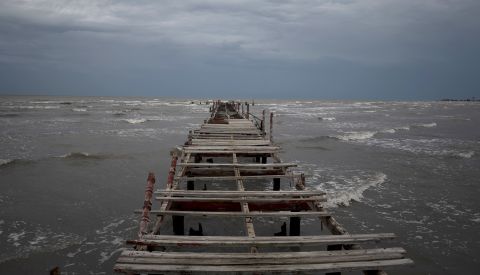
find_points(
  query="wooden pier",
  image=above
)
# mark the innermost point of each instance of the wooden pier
(229, 149)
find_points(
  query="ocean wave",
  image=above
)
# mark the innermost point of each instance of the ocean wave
(355, 191)
(425, 125)
(135, 120)
(9, 115)
(354, 136)
(84, 155)
(342, 186)
(79, 109)
(22, 239)
(466, 155)
(327, 118)
(5, 161)
(11, 162)
(432, 147)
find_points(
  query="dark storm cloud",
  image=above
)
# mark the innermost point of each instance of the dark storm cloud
(322, 49)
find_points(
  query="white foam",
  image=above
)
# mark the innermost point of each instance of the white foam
(355, 191)
(389, 131)
(135, 120)
(327, 118)
(79, 109)
(354, 136)
(426, 125)
(466, 155)
(5, 161)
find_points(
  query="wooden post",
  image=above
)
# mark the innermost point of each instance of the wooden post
(276, 184)
(294, 226)
(190, 185)
(178, 225)
(147, 205)
(248, 111)
(271, 127)
(263, 122)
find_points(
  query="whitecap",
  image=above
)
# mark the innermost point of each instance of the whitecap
(327, 118)
(79, 109)
(135, 120)
(353, 193)
(426, 125)
(354, 136)
(5, 161)
(466, 155)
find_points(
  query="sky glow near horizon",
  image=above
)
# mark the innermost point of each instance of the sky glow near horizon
(344, 49)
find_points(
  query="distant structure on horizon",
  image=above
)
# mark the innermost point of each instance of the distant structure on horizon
(467, 99)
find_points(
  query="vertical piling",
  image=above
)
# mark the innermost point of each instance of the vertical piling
(271, 127)
(147, 205)
(276, 184)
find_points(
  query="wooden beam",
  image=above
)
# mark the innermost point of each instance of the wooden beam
(223, 193)
(239, 214)
(325, 267)
(243, 165)
(173, 240)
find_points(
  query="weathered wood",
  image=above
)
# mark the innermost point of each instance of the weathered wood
(222, 193)
(245, 199)
(246, 165)
(239, 214)
(173, 240)
(231, 178)
(265, 255)
(283, 258)
(325, 267)
(229, 148)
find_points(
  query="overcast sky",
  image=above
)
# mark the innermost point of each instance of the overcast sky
(326, 49)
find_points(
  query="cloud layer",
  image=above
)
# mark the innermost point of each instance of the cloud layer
(265, 48)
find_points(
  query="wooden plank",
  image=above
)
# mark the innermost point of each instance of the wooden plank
(324, 267)
(239, 214)
(264, 255)
(206, 142)
(247, 165)
(262, 200)
(222, 193)
(236, 241)
(283, 258)
(228, 148)
(231, 178)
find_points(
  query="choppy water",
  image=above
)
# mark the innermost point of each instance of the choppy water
(72, 170)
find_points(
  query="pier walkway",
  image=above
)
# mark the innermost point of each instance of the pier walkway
(231, 148)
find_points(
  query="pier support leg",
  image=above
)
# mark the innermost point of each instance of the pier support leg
(178, 225)
(294, 226)
(190, 185)
(276, 184)
(264, 160)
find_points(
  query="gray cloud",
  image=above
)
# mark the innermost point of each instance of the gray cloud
(275, 48)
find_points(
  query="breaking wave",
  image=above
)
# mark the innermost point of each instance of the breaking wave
(344, 195)
(135, 120)
(425, 125)
(326, 118)
(12, 162)
(84, 155)
(353, 136)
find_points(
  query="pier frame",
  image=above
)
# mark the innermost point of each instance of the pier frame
(230, 148)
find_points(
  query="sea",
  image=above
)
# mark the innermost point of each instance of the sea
(73, 169)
